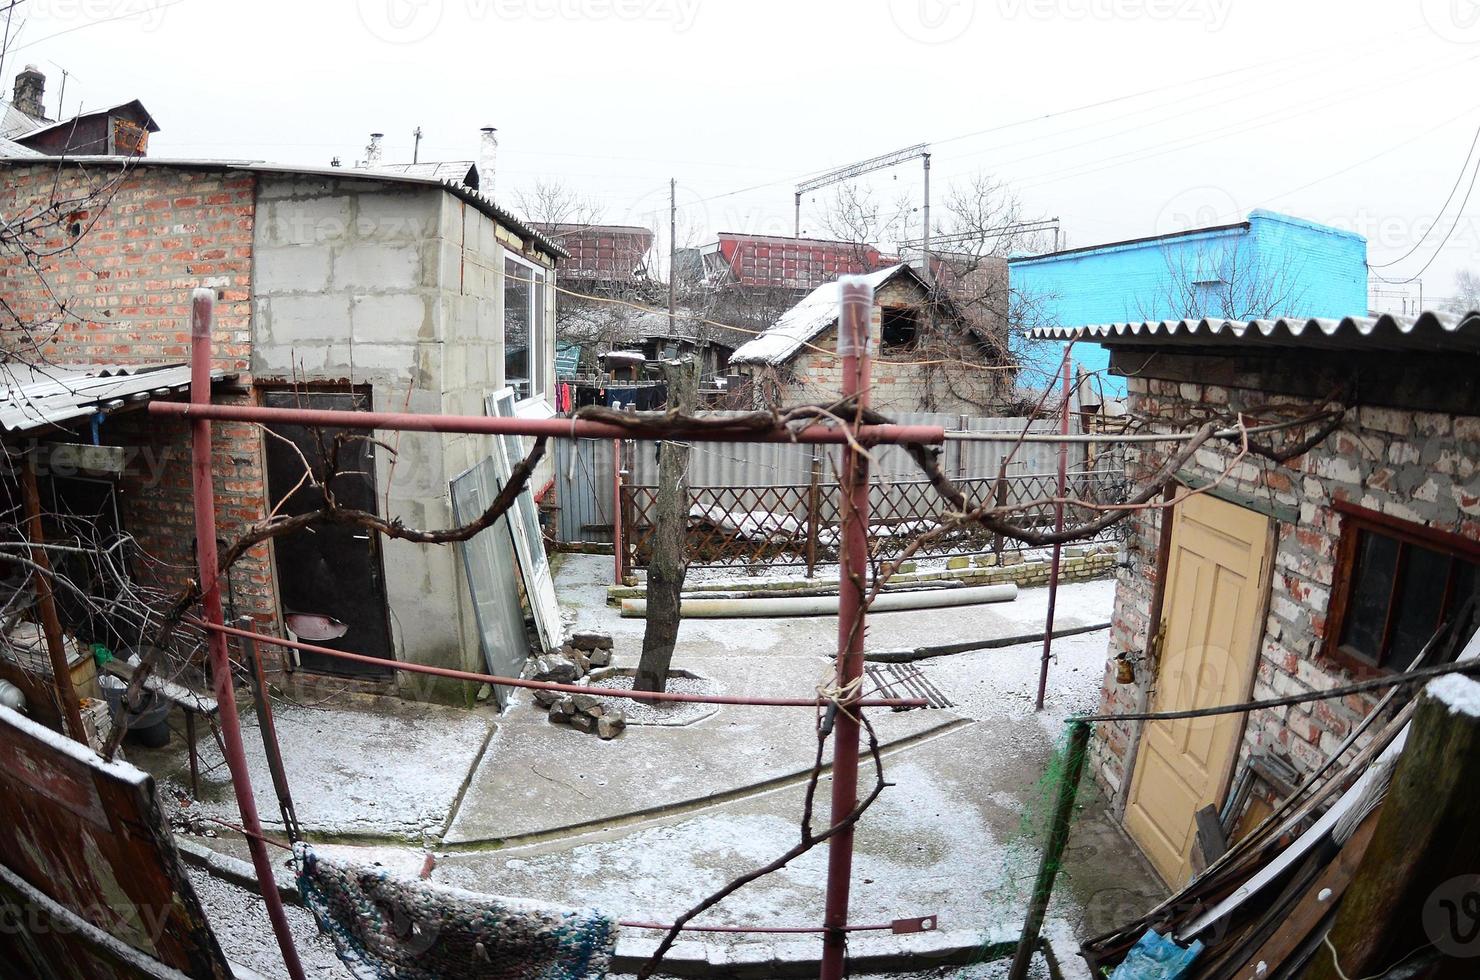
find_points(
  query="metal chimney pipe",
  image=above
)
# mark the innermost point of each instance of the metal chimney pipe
(487, 158)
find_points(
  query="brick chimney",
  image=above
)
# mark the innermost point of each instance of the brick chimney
(487, 157)
(30, 86)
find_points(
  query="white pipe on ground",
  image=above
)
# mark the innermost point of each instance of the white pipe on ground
(827, 605)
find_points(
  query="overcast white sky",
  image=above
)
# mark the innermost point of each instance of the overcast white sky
(1358, 114)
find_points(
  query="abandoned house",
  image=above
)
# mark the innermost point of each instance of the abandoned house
(1339, 564)
(927, 355)
(26, 130)
(337, 288)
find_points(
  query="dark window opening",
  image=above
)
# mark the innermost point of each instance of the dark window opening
(900, 328)
(1396, 592)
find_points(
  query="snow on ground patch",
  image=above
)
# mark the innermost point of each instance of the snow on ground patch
(661, 712)
(353, 771)
(1003, 683)
(239, 920)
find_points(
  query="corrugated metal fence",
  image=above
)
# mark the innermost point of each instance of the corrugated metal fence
(585, 492)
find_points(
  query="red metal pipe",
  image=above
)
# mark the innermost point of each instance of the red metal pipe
(787, 930)
(466, 675)
(1058, 526)
(855, 318)
(202, 306)
(868, 435)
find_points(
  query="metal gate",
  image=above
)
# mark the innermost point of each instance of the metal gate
(583, 490)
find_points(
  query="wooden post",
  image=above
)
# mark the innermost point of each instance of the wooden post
(1053, 849)
(814, 502)
(1416, 885)
(46, 606)
(669, 562)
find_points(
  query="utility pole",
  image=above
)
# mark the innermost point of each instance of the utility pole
(797, 226)
(673, 257)
(929, 279)
(415, 146)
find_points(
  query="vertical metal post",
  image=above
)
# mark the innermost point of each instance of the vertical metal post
(46, 606)
(629, 524)
(999, 499)
(673, 258)
(617, 528)
(1058, 526)
(202, 306)
(797, 228)
(814, 503)
(854, 327)
(262, 699)
(925, 213)
(1053, 849)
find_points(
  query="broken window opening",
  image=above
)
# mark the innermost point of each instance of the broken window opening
(899, 329)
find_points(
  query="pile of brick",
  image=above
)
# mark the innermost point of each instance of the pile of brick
(586, 650)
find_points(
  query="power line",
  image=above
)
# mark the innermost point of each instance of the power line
(1457, 178)
(1453, 225)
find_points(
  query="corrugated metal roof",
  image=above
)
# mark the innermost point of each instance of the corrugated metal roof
(444, 170)
(1429, 332)
(34, 397)
(11, 150)
(14, 122)
(479, 200)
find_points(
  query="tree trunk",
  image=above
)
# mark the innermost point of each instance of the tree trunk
(670, 559)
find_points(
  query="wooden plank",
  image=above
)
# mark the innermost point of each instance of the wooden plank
(1423, 839)
(92, 836)
(1312, 909)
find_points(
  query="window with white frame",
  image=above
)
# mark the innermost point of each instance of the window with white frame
(524, 328)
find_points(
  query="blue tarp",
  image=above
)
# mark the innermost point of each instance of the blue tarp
(1155, 957)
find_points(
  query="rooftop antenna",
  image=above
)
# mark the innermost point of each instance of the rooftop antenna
(5, 41)
(416, 147)
(62, 93)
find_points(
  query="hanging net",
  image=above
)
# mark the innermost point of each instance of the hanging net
(385, 926)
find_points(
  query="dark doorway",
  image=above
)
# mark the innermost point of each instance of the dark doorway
(327, 569)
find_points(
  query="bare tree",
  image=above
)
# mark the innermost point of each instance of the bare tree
(550, 202)
(1230, 283)
(1466, 298)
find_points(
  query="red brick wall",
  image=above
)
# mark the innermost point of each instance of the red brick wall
(125, 281)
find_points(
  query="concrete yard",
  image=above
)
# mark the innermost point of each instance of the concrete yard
(647, 824)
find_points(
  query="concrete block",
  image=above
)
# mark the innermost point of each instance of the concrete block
(376, 266)
(389, 318)
(290, 269)
(398, 214)
(292, 320)
(308, 220)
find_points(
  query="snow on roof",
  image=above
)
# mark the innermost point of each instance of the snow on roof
(817, 311)
(11, 150)
(14, 122)
(458, 170)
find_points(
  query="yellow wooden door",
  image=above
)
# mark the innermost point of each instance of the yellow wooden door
(1212, 614)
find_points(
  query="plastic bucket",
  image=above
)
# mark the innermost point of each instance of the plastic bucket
(148, 722)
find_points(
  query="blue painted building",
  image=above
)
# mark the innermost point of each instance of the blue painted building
(1270, 265)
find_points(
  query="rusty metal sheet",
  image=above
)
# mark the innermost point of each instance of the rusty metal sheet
(90, 837)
